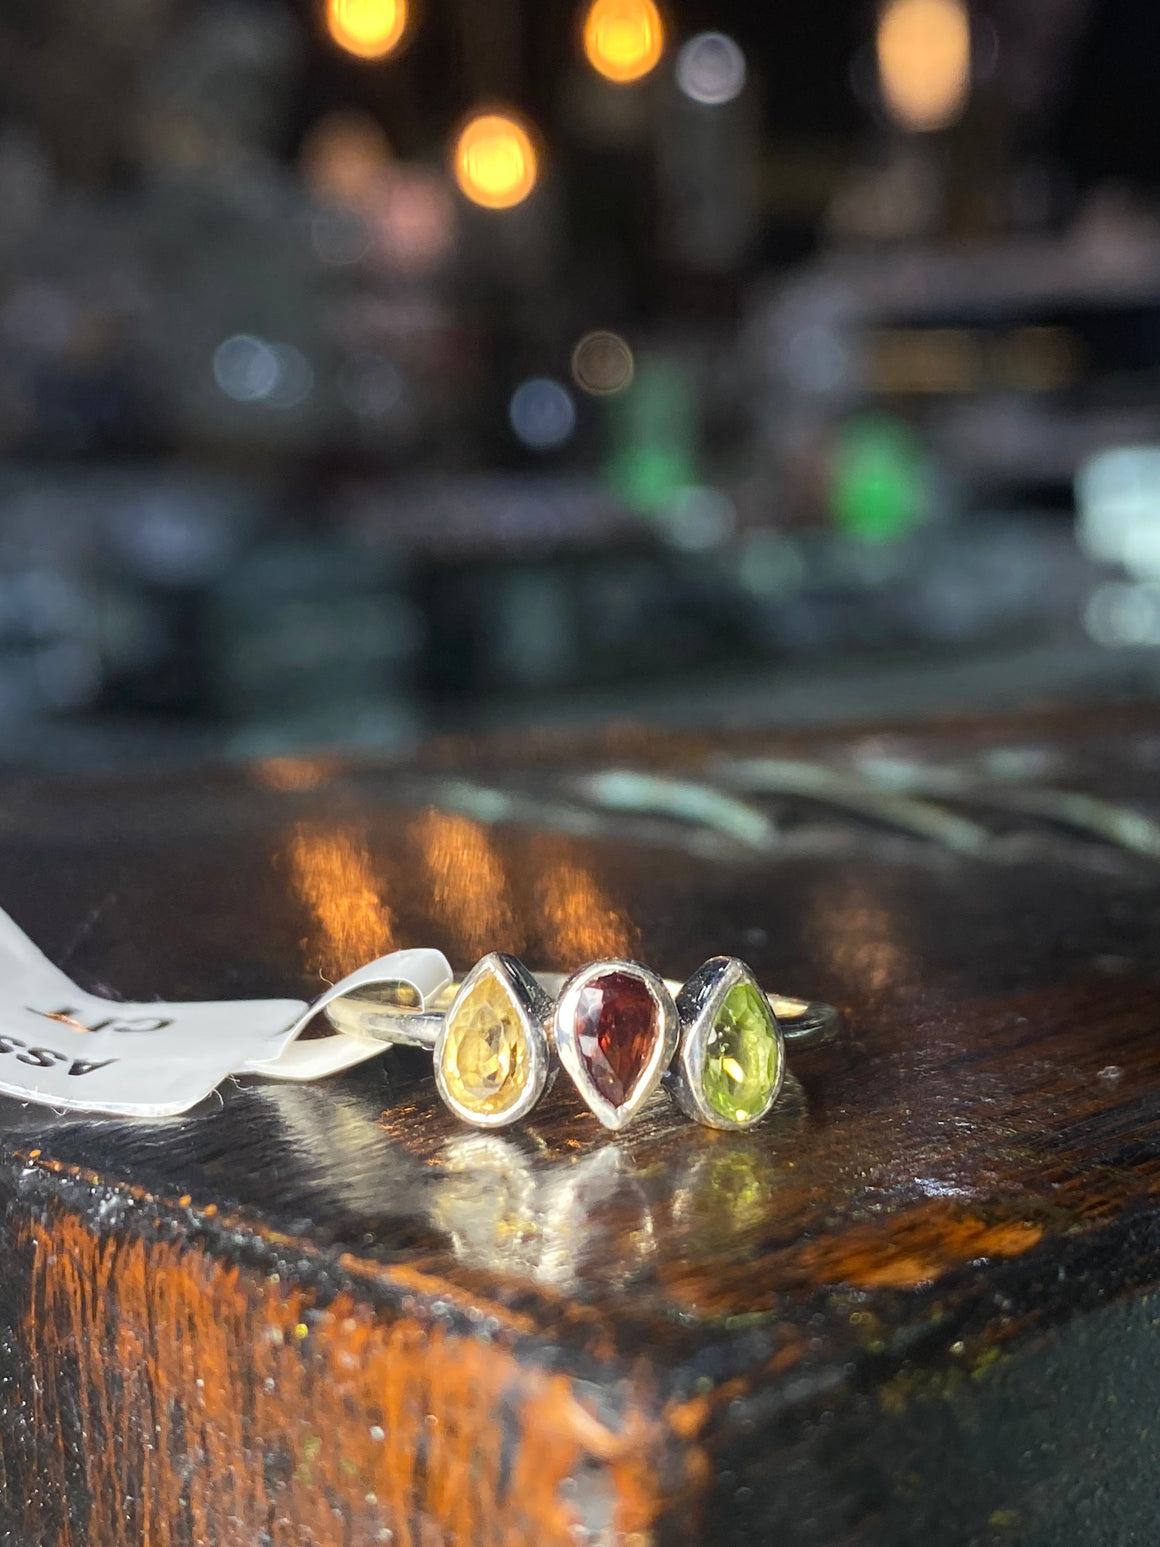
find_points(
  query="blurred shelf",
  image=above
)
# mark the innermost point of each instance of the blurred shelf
(847, 690)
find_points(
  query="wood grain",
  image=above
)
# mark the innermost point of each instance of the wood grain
(215, 1405)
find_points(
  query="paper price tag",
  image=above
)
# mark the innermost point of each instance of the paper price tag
(74, 1051)
(414, 976)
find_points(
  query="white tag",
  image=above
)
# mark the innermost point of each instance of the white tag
(425, 972)
(74, 1051)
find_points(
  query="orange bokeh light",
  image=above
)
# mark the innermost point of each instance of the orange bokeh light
(495, 161)
(924, 62)
(623, 39)
(370, 29)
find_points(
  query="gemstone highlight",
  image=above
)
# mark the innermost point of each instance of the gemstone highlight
(617, 1026)
(742, 1056)
(485, 1062)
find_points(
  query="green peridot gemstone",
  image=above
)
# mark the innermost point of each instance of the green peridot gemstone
(742, 1056)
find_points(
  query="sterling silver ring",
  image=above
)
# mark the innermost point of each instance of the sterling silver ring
(497, 1037)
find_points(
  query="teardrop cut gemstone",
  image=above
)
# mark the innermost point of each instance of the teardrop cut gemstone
(742, 1056)
(485, 1062)
(617, 1025)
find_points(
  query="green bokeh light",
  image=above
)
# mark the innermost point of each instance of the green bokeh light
(648, 478)
(653, 437)
(878, 489)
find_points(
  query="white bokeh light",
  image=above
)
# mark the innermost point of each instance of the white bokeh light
(1118, 509)
(542, 414)
(254, 370)
(245, 368)
(711, 69)
(295, 378)
(1121, 616)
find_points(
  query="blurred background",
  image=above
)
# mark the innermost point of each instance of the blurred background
(371, 369)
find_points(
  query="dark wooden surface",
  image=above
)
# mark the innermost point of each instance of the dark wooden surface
(916, 1306)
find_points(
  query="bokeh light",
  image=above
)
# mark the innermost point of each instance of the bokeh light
(369, 29)
(542, 414)
(623, 39)
(415, 221)
(170, 537)
(245, 368)
(372, 205)
(495, 161)
(602, 364)
(924, 62)
(699, 518)
(339, 237)
(344, 157)
(1121, 616)
(255, 370)
(878, 492)
(377, 393)
(1117, 495)
(711, 69)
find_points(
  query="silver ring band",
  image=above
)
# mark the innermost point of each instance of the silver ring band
(368, 1015)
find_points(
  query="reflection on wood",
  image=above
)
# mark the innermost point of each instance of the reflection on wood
(331, 871)
(578, 921)
(468, 887)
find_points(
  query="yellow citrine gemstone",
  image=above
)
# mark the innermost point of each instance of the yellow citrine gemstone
(485, 1051)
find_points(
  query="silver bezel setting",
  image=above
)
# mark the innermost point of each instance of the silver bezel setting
(568, 1044)
(533, 1009)
(698, 1004)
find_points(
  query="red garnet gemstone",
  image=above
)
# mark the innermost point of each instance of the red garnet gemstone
(616, 1028)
